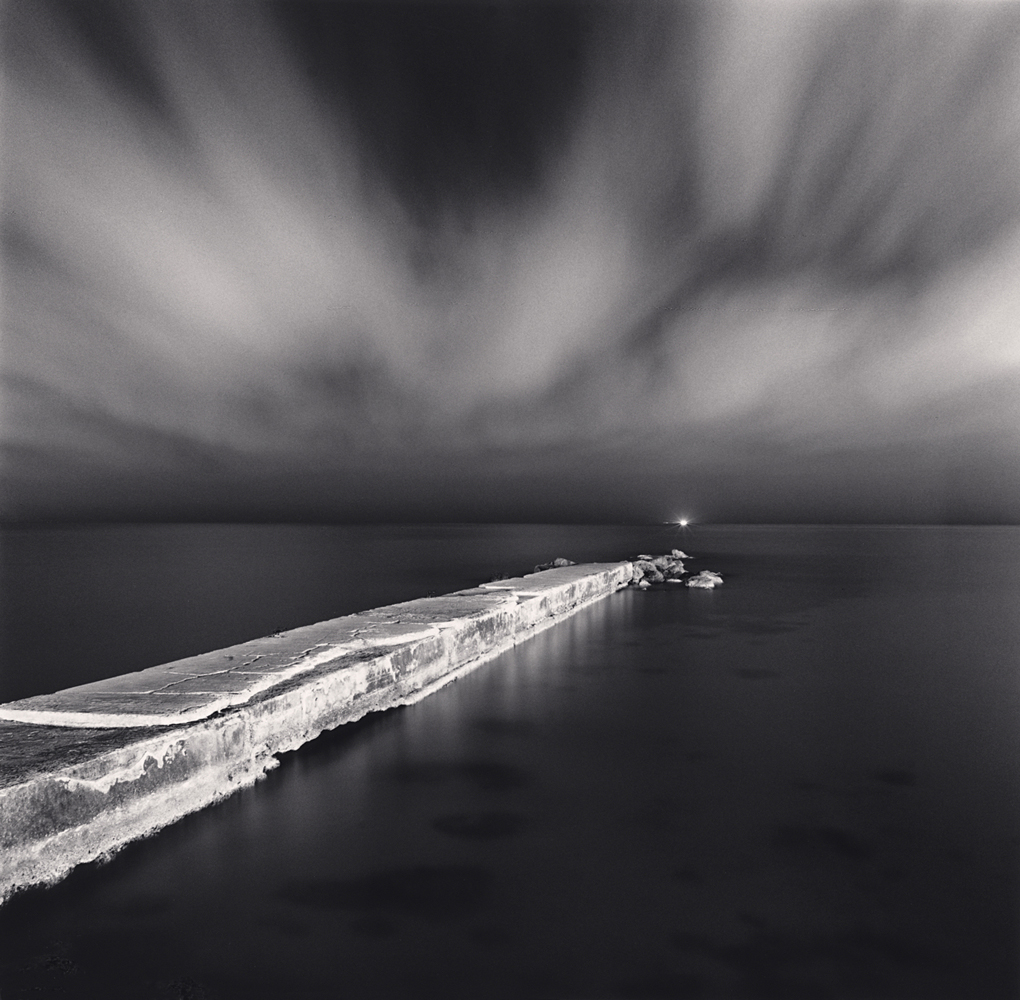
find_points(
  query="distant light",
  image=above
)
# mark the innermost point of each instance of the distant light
(682, 522)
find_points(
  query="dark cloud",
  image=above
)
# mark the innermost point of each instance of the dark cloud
(112, 34)
(511, 260)
(450, 102)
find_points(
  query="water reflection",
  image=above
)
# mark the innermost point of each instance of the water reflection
(479, 825)
(448, 892)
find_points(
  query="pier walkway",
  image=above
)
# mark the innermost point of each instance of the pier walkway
(86, 770)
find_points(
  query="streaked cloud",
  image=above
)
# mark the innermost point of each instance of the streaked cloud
(730, 227)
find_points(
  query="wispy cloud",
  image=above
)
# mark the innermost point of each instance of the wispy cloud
(748, 222)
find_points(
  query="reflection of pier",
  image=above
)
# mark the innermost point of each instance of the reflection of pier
(86, 770)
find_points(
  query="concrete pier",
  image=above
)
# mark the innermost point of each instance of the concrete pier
(87, 770)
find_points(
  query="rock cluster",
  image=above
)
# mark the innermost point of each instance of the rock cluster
(649, 570)
(658, 569)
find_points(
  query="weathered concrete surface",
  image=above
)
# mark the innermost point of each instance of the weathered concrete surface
(86, 770)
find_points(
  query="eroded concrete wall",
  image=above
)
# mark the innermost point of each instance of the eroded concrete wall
(87, 770)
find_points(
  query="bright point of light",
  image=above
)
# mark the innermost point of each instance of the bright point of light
(682, 522)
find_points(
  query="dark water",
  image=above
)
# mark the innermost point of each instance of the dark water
(79, 604)
(804, 784)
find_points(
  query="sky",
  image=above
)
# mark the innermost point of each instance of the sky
(735, 261)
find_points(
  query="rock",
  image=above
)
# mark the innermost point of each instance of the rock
(706, 579)
(646, 570)
(644, 584)
(643, 567)
(649, 558)
(677, 554)
(700, 581)
(555, 564)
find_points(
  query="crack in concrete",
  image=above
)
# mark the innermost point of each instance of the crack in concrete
(187, 677)
(237, 668)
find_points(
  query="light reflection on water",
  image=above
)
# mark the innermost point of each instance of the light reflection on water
(802, 784)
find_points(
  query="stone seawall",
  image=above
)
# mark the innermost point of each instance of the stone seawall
(87, 770)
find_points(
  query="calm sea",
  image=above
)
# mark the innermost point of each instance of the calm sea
(803, 784)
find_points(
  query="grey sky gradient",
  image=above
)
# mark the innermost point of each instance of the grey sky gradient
(743, 261)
